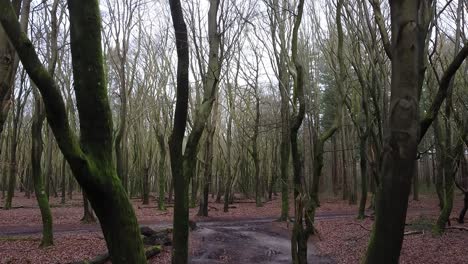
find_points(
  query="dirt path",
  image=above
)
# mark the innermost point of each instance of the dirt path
(247, 242)
(25, 230)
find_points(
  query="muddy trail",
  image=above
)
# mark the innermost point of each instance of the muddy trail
(248, 242)
(257, 240)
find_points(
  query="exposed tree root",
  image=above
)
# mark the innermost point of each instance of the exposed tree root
(156, 239)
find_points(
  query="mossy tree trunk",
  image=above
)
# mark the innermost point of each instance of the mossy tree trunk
(37, 144)
(90, 157)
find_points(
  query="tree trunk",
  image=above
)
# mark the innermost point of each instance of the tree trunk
(70, 186)
(439, 158)
(344, 163)
(194, 184)
(363, 166)
(12, 164)
(203, 209)
(334, 168)
(208, 171)
(416, 181)
(162, 175)
(256, 159)
(63, 183)
(146, 185)
(461, 218)
(400, 145)
(48, 162)
(88, 216)
(180, 233)
(38, 180)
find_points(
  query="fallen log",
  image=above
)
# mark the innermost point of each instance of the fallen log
(153, 237)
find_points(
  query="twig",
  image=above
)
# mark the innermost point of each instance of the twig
(458, 228)
(409, 233)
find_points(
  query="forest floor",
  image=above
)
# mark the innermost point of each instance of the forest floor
(246, 234)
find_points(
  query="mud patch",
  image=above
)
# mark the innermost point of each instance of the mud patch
(256, 242)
